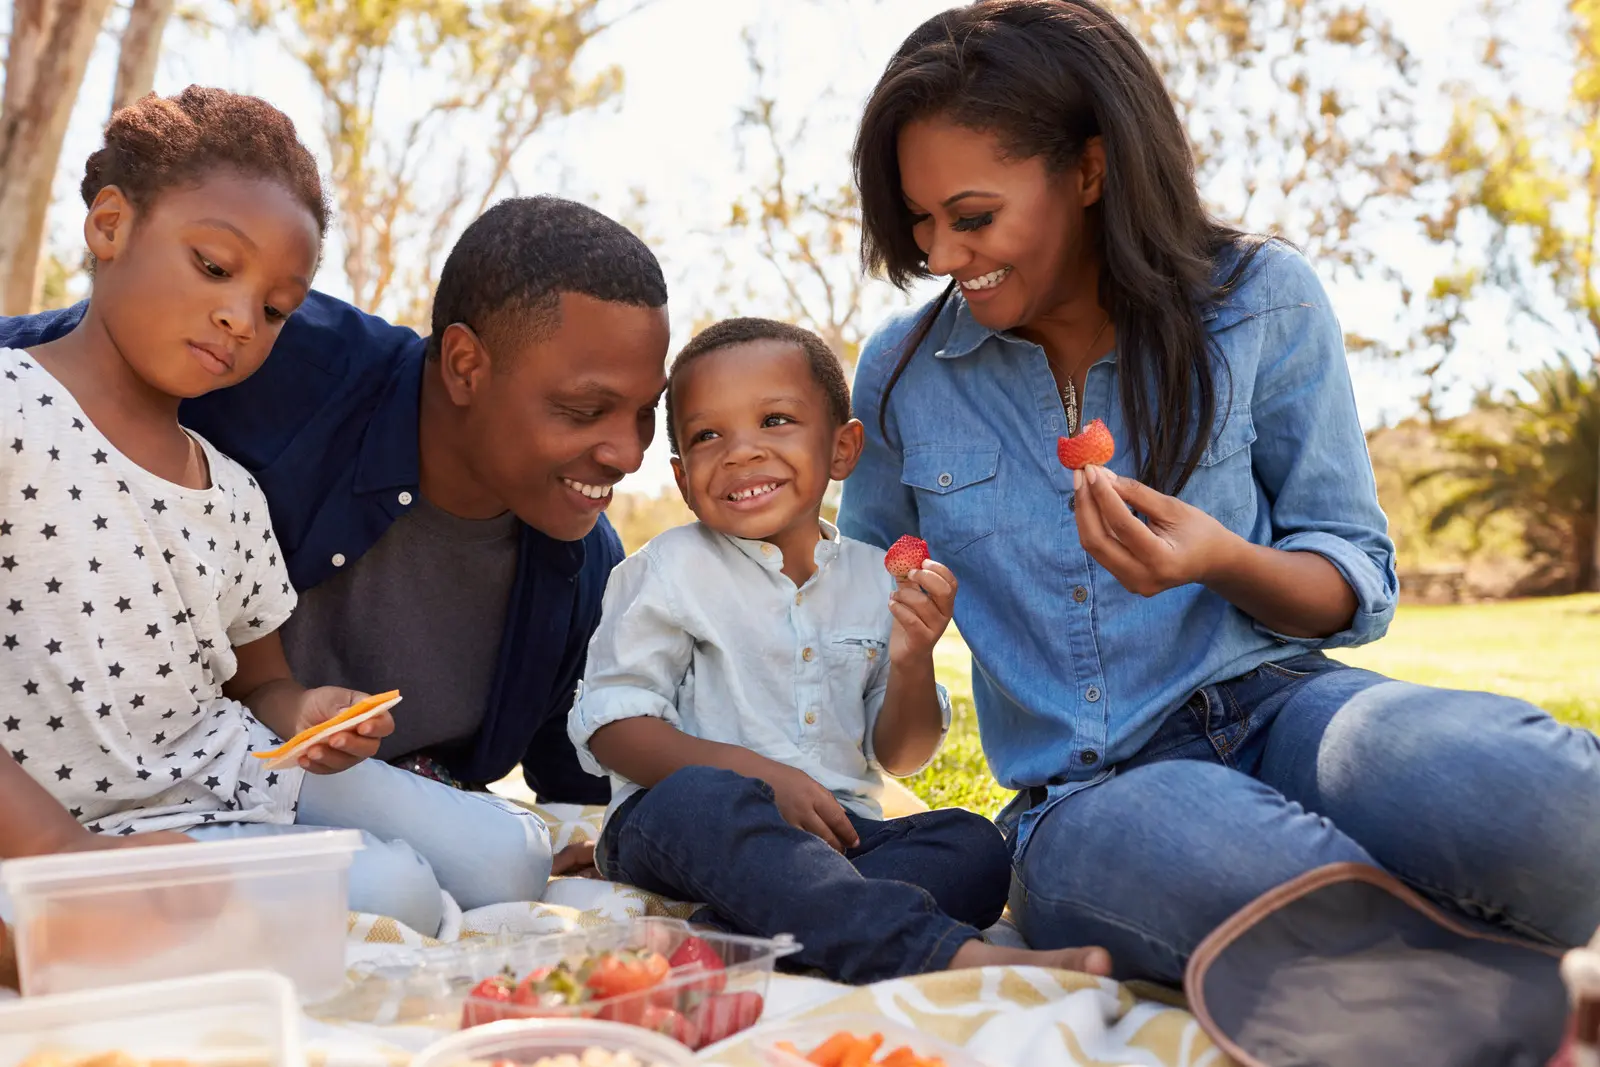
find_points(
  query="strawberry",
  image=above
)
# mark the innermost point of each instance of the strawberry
(1090, 446)
(488, 1002)
(905, 556)
(722, 1015)
(617, 973)
(697, 954)
(671, 1023)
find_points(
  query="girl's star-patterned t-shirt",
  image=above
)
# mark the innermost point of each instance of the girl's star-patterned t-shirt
(122, 598)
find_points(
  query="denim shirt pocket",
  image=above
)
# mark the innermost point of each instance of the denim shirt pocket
(957, 494)
(1223, 485)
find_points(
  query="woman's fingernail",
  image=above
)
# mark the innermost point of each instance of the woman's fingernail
(1090, 472)
(1077, 479)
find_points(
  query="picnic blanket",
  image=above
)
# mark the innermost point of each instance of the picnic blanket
(1003, 1015)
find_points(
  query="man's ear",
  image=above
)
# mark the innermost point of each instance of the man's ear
(847, 444)
(109, 224)
(464, 364)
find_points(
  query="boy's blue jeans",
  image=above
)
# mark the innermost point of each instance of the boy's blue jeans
(902, 902)
(1479, 801)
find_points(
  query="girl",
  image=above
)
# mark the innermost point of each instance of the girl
(1147, 635)
(141, 587)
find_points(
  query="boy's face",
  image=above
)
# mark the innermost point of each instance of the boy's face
(553, 426)
(758, 444)
(195, 289)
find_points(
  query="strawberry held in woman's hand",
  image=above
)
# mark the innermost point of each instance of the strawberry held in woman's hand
(905, 556)
(1090, 446)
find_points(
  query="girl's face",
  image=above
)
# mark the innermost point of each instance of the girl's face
(1012, 234)
(194, 289)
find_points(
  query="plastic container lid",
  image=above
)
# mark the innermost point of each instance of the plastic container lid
(807, 1034)
(131, 868)
(526, 1041)
(233, 1018)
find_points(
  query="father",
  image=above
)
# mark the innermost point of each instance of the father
(439, 500)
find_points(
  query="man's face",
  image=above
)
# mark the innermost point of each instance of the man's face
(562, 418)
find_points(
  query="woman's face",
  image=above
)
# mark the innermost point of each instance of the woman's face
(1010, 232)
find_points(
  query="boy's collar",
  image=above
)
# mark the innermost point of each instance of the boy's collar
(770, 557)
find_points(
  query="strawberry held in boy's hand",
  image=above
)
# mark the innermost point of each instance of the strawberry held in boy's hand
(1091, 446)
(905, 556)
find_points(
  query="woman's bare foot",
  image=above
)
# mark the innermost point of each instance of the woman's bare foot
(978, 953)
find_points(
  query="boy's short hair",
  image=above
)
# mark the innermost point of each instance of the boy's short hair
(825, 365)
(505, 276)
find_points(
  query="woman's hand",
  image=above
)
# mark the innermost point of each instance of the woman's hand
(344, 749)
(1176, 544)
(921, 605)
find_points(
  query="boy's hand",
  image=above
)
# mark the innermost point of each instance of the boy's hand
(921, 605)
(806, 805)
(348, 748)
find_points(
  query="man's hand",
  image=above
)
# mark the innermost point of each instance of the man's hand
(921, 604)
(806, 805)
(575, 861)
(348, 747)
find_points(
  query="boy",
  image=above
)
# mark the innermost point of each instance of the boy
(746, 688)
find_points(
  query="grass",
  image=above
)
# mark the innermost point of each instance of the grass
(1546, 651)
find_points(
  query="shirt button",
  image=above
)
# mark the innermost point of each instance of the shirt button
(945, 480)
(872, 653)
(338, 559)
(807, 655)
(1092, 694)
(405, 499)
(1080, 594)
(1090, 757)
(799, 597)
(811, 718)
(766, 550)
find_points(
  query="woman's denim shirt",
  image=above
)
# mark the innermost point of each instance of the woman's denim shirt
(1071, 672)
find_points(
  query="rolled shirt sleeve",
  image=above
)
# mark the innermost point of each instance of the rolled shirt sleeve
(638, 657)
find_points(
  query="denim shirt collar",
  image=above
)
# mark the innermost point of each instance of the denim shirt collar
(967, 333)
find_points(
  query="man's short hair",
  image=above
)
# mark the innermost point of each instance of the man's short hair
(505, 276)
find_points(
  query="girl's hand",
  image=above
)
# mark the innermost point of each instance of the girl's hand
(1176, 544)
(921, 605)
(348, 748)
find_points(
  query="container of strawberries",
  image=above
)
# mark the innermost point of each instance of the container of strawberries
(695, 987)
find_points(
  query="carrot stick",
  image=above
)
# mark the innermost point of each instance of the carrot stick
(832, 1051)
(901, 1057)
(861, 1054)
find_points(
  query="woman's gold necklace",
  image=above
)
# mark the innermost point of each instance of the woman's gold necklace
(1069, 391)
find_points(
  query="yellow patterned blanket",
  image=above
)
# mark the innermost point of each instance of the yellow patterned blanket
(1004, 1016)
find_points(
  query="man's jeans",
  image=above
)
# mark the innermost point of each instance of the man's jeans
(913, 892)
(1481, 802)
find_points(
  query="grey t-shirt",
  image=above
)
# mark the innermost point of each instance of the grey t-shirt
(422, 612)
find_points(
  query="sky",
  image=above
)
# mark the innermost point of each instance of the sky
(670, 137)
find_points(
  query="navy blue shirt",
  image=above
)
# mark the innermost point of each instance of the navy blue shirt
(328, 426)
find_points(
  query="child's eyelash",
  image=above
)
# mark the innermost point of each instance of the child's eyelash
(209, 267)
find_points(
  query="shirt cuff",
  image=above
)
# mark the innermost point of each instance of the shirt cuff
(594, 708)
(1376, 590)
(944, 732)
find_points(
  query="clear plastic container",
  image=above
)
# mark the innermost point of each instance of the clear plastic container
(94, 919)
(805, 1036)
(696, 1007)
(525, 1042)
(240, 1019)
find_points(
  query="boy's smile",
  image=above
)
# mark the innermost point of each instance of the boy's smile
(758, 446)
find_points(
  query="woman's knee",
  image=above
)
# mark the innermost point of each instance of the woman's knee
(389, 878)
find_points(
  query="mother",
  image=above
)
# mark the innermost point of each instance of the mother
(1156, 689)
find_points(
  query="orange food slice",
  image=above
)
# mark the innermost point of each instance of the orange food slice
(360, 707)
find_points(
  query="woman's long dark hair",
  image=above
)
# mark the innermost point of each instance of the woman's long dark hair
(1044, 76)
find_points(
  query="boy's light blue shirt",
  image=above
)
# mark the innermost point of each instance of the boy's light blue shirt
(1072, 673)
(706, 632)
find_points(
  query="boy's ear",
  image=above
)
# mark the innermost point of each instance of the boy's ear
(108, 225)
(464, 363)
(847, 445)
(682, 478)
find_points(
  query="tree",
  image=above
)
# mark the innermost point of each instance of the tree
(1523, 212)
(46, 57)
(403, 83)
(139, 51)
(1540, 460)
